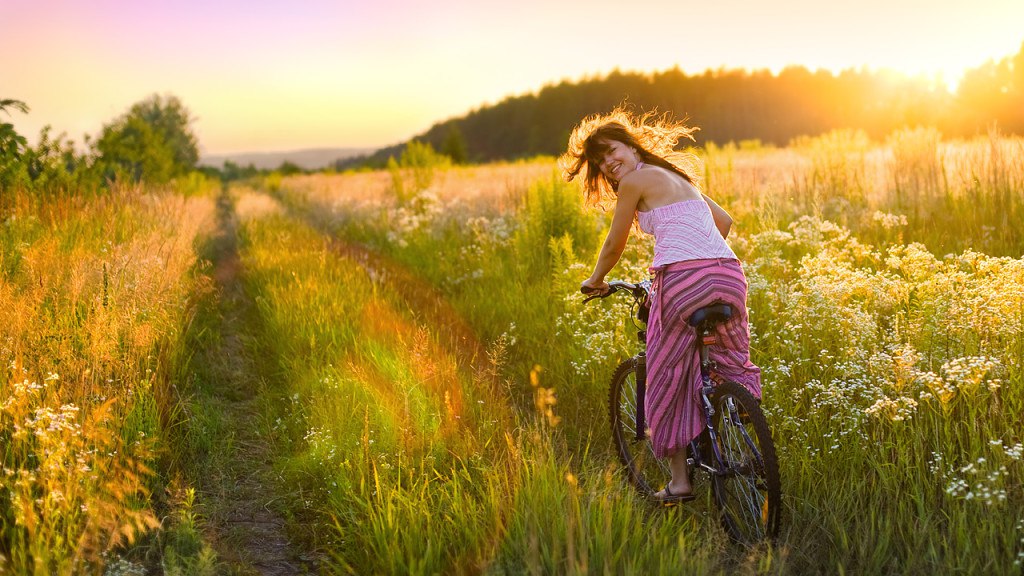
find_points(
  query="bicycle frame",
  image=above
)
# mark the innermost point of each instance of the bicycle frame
(734, 448)
(705, 338)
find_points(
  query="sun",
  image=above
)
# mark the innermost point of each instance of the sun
(941, 73)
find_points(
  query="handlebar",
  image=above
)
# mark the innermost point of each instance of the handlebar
(637, 290)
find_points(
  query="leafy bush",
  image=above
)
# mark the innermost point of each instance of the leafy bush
(153, 141)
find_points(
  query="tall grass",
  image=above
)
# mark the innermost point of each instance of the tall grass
(94, 295)
(436, 392)
(949, 195)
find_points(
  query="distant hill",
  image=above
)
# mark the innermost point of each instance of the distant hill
(309, 159)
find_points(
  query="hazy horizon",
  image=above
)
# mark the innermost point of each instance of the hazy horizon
(306, 158)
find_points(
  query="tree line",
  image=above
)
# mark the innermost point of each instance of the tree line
(152, 141)
(735, 105)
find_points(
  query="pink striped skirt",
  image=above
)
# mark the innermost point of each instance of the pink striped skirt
(673, 366)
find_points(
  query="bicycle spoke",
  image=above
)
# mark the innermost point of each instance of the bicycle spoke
(748, 505)
(646, 471)
(746, 491)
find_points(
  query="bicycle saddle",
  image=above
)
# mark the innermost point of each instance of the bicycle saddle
(715, 314)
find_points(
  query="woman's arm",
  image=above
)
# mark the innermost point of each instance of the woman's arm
(618, 234)
(722, 219)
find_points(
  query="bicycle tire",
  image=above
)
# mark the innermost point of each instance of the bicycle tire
(647, 473)
(747, 490)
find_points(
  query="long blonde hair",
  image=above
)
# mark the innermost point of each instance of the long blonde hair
(653, 136)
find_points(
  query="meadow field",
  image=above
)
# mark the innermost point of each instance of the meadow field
(403, 360)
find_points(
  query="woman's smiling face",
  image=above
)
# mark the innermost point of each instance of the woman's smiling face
(617, 160)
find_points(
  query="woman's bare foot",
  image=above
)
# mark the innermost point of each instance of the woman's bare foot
(675, 493)
(677, 490)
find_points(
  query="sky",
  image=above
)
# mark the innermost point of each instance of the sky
(275, 75)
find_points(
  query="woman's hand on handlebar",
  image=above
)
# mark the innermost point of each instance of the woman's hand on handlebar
(591, 286)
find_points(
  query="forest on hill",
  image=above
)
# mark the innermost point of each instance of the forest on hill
(736, 105)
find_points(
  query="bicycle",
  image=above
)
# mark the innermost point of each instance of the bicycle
(735, 449)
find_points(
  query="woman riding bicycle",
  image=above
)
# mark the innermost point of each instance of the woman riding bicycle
(631, 160)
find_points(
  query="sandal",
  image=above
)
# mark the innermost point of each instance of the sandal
(670, 498)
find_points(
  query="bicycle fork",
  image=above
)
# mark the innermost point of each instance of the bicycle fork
(641, 394)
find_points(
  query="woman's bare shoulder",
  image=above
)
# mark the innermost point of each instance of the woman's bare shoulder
(658, 177)
(648, 176)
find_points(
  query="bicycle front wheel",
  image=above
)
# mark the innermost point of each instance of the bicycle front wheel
(647, 473)
(746, 486)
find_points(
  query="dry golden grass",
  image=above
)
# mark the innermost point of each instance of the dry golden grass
(92, 301)
(252, 205)
(494, 186)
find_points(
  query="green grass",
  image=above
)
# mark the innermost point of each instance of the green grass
(434, 392)
(892, 374)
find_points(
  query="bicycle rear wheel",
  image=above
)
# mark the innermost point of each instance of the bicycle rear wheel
(647, 473)
(747, 489)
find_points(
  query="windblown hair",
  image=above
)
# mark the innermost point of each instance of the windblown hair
(654, 137)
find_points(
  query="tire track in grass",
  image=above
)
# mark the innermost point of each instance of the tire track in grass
(425, 302)
(450, 336)
(239, 487)
(442, 333)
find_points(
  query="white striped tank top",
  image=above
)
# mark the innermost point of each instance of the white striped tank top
(684, 231)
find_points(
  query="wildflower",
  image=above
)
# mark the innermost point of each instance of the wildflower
(957, 487)
(545, 400)
(897, 410)
(1015, 451)
(968, 373)
(889, 221)
(940, 389)
(535, 375)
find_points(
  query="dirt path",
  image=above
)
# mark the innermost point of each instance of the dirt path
(240, 489)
